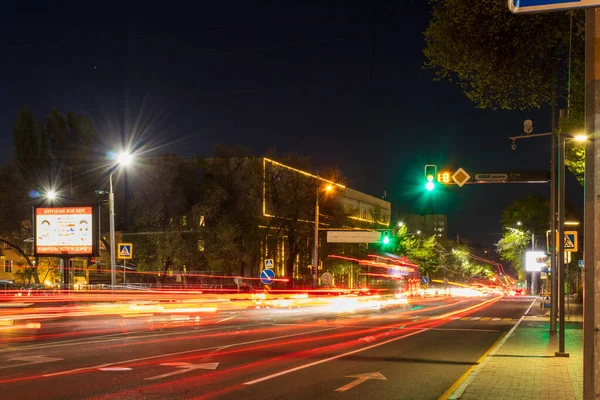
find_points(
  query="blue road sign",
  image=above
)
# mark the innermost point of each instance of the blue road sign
(424, 280)
(536, 6)
(267, 276)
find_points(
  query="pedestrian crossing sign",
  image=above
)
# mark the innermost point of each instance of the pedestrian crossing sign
(125, 251)
(571, 241)
(269, 263)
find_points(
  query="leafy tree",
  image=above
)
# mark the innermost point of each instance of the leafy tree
(58, 153)
(230, 203)
(506, 61)
(529, 214)
(512, 248)
(158, 212)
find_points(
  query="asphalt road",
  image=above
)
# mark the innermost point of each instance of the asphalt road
(414, 352)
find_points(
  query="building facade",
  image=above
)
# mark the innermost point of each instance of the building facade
(428, 225)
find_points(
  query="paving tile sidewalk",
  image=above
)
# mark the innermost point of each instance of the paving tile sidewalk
(525, 366)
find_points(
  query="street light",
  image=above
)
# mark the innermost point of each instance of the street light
(51, 195)
(315, 267)
(561, 243)
(123, 159)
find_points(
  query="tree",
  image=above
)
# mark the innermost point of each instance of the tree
(59, 153)
(500, 60)
(529, 214)
(230, 204)
(159, 218)
(512, 248)
(506, 61)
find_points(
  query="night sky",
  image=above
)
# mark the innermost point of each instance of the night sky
(184, 77)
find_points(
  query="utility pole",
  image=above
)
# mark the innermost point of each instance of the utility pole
(553, 271)
(561, 249)
(591, 305)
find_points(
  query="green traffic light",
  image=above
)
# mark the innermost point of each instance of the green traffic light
(429, 186)
(386, 240)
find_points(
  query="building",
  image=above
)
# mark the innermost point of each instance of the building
(428, 225)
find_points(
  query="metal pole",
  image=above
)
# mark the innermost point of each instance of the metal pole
(111, 213)
(315, 265)
(591, 304)
(553, 271)
(561, 249)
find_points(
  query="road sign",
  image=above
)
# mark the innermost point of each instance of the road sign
(580, 263)
(267, 276)
(125, 251)
(460, 177)
(491, 177)
(424, 280)
(353, 236)
(571, 240)
(536, 6)
(269, 263)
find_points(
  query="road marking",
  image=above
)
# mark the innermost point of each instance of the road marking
(30, 360)
(506, 319)
(360, 378)
(287, 371)
(465, 319)
(496, 319)
(81, 341)
(183, 352)
(458, 388)
(184, 367)
(115, 369)
(486, 318)
(475, 318)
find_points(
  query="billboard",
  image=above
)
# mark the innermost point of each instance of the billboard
(63, 231)
(531, 261)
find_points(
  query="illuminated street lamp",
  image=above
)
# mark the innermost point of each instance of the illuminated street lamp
(315, 267)
(123, 159)
(51, 195)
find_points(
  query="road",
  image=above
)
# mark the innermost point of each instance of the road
(412, 352)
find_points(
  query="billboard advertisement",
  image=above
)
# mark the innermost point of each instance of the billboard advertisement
(531, 261)
(61, 231)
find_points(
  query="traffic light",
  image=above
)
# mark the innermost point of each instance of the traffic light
(386, 239)
(430, 174)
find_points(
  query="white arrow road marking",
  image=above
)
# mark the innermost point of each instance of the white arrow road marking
(30, 360)
(184, 367)
(360, 378)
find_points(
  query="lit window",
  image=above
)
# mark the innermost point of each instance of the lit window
(8, 265)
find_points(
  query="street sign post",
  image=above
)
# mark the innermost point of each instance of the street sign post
(269, 263)
(537, 6)
(267, 276)
(424, 280)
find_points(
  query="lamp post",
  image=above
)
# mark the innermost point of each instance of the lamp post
(561, 242)
(123, 159)
(315, 261)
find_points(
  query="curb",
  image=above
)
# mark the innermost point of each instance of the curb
(475, 372)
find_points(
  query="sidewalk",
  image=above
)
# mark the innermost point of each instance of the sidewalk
(524, 366)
